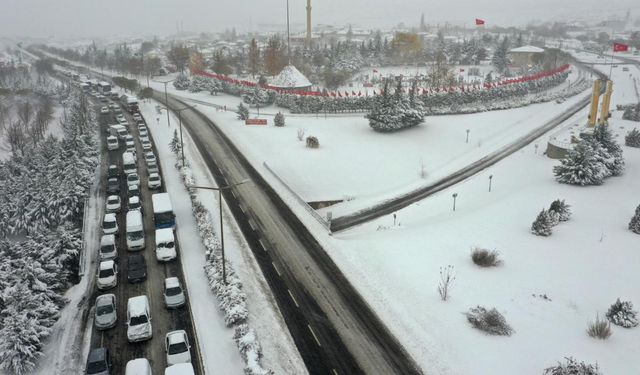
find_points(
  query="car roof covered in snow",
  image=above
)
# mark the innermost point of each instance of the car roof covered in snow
(161, 202)
(171, 282)
(180, 369)
(137, 305)
(106, 264)
(164, 235)
(138, 366)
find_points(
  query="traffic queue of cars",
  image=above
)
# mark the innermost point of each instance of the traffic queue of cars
(138, 313)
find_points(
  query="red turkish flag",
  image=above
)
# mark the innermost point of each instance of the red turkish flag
(619, 47)
(479, 22)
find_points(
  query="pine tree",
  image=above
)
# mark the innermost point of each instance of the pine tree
(500, 56)
(582, 166)
(561, 208)
(243, 112)
(632, 139)
(278, 119)
(181, 82)
(174, 144)
(615, 163)
(543, 224)
(621, 313)
(634, 224)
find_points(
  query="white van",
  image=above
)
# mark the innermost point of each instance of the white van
(165, 245)
(138, 366)
(135, 230)
(118, 131)
(129, 163)
(138, 319)
(180, 369)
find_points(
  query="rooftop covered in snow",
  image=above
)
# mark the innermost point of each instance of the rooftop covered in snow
(290, 78)
(527, 49)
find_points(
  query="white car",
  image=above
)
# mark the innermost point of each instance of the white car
(109, 224)
(105, 314)
(152, 168)
(146, 143)
(133, 179)
(112, 143)
(108, 249)
(113, 203)
(104, 110)
(120, 117)
(150, 157)
(137, 117)
(173, 293)
(177, 347)
(134, 204)
(107, 277)
(123, 121)
(143, 131)
(154, 181)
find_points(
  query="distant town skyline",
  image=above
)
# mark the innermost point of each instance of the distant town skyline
(75, 18)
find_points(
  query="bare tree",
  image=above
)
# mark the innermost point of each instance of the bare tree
(16, 137)
(25, 113)
(301, 134)
(4, 117)
(447, 277)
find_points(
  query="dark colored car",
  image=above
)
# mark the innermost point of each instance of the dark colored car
(99, 362)
(136, 268)
(113, 171)
(113, 185)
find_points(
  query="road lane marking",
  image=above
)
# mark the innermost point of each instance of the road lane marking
(262, 244)
(251, 225)
(314, 335)
(334, 371)
(276, 268)
(234, 196)
(296, 302)
(242, 209)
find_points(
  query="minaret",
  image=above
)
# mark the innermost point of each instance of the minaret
(308, 22)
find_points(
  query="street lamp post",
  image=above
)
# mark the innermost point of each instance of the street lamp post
(219, 190)
(468, 130)
(490, 178)
(166, 98)
(179, 110)
(455, 195)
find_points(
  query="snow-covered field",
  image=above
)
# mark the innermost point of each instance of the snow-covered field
(353, 161)
(582, 268)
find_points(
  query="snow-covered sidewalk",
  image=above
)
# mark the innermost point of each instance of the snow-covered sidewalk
(216, 340)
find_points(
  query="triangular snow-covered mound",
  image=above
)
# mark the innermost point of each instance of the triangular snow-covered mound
(290, 78)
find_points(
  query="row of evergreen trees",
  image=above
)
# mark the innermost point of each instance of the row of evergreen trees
(41, 201)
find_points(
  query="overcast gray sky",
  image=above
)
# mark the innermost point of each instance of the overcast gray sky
(64, 18)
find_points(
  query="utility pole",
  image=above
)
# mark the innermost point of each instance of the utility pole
(179, 110)
(166, 98)
(219, 190)
(288, 37)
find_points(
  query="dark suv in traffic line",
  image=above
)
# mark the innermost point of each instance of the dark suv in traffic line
(136, 268)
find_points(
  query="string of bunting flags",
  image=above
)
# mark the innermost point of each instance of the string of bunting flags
(424, 91)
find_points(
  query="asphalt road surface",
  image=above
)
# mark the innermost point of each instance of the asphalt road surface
(334, 329)
(162, 319)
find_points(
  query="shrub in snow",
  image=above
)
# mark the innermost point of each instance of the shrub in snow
(572, 367)
(632, 139)
(243, 112)
(312, 142)
(447, 277)
(543, 224)
(489, 321)
(632, 113)
(485, 257)
(582, 166)
(613, 158)
(250, 349)
(181, 82)
(621, 313)
(634, 224)
(561, 209)
(599, 328)
(278, 120)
